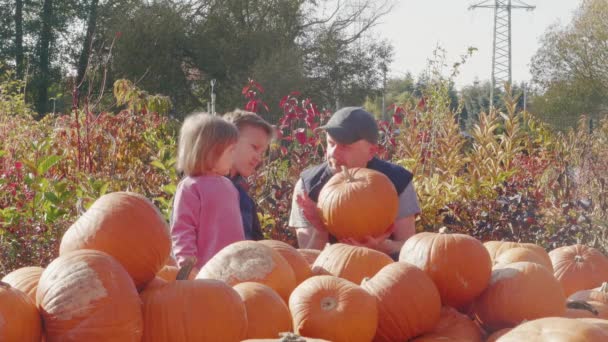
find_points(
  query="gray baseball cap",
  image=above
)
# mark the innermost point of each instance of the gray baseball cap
(351, 124)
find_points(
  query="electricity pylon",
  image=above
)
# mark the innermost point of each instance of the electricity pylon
(501, 54)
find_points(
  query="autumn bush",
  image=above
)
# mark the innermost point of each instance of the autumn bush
(509, 177)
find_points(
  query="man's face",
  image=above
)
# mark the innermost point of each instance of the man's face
(250, 148)
(352, 155)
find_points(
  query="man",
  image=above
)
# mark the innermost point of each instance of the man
(352, 138)
(254, 137)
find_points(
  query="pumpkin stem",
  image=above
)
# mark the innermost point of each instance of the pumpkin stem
(290, 337)
(444, 230)
(5, 285)
(186, 268)
(328, 303)
(604, 287)
(349, 177)
(579, 258)
(581, 305)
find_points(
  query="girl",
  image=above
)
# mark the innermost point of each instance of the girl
(206, 215)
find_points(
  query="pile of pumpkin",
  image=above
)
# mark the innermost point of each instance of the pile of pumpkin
(114, 280)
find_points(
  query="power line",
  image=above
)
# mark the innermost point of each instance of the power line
(501, 51)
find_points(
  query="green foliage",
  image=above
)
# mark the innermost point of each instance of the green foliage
(570, 69)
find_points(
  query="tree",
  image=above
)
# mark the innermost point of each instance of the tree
(570, 69)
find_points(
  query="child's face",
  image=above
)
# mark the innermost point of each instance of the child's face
(224, 162)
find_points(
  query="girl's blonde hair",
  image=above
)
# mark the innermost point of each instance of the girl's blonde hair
(202, 140)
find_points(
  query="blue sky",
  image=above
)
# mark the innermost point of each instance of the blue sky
(416, 27)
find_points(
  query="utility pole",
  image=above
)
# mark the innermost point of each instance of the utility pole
(501, 52)
(212, 96)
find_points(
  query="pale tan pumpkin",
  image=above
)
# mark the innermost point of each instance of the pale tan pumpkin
(309, 254)
(599, 294)
(267, 313)
(86, 295)
(193, 310)
(601, 323)
(595, 310)
(19, 317)
(25, 279)
(517, 254)
(358, 203)
(517, 292)
(245, 261)
(408, 302)
(555, 329)
(298, 263)
(497, 334)
(452, 326)
(334, 309)
(128, 227)
(459, 264)
(579, 267)
(350, 262)
(496, 248)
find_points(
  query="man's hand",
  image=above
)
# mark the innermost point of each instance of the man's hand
(310, 211)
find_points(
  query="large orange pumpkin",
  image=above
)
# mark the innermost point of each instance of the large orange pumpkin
(517, 292)
(579, 267)
(350, 262)
(358, 202)
(555, 329)
(333, 309)
(267, 313)
(128, 227)
(517, 254)
(193, 310)
(19, 317)
(298, 263)
(459, 264)
(245, 261)
(86, 295)
(452, 326)
(408, 302)
(25, 279)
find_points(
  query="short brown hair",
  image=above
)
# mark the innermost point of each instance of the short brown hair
(202, 140)
(242, 118)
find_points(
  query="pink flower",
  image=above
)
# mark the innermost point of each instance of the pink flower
(18, 165)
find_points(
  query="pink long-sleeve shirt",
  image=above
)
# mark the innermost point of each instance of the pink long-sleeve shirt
(206, 218)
